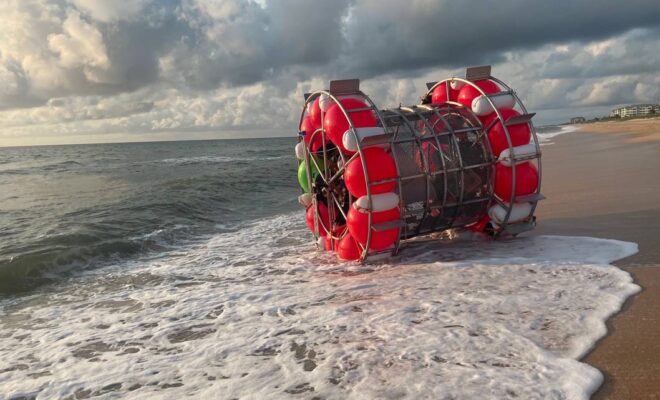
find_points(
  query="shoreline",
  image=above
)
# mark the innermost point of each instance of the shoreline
(642, 130)
(603, 183)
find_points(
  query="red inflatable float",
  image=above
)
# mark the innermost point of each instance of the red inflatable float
(348, 249)
(470, 92)
(309, 129)
(520, 134)
(439, 94)
(323, 218)
(315, 114)
(527, 180)
(335, 122)
(380, 167)
(358, 226)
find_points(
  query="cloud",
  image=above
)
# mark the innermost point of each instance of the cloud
(234, 43)
(147, 67)
(616, 70)
(109, 11)
(393, 35)
(80, 45)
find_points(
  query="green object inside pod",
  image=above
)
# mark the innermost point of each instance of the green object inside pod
(302, 173)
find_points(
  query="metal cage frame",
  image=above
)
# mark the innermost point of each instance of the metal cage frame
(343, 88)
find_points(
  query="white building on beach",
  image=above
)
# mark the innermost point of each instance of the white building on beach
(635, 110)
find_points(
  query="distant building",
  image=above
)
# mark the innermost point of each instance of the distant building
(635, 110)
(578, 120)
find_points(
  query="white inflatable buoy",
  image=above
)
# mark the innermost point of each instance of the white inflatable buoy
(305, 199)
(349, 142)
(456, 85)
(300, 150)
(526, 150)
(324, 102)
(381, 202)
(481, 106)
(520, 211)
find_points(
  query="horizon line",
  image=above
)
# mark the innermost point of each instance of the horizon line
(140, 141)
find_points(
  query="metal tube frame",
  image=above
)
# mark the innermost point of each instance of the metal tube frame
(440, 112)
(537, 156)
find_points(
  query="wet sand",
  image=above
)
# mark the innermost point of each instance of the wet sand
(608, 185)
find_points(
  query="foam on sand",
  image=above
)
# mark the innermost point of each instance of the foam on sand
(258, 313)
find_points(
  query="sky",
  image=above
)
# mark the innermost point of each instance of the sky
(86, 71)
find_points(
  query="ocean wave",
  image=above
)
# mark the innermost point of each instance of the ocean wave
(58, 166)
(51, 257)
(100, 213)
(259, 313)
(215, 160)
(553, 131)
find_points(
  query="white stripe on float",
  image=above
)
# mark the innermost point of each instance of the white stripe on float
(381, 202)
(348, 140)
(481, 106)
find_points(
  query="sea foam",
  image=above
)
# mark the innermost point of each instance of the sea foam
(545, 137)
(259, 313)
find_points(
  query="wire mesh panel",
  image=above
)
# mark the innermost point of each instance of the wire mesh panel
(445, 167)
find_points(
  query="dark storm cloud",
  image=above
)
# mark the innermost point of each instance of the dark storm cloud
(386, 36)
(135, 46)
(250, 43)
(636, 53)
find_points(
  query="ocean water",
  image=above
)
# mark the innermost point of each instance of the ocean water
(171, 270)
(67, 208)
(547, 132)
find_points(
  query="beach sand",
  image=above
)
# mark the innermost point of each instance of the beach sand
(606, 184)
(637, 130)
